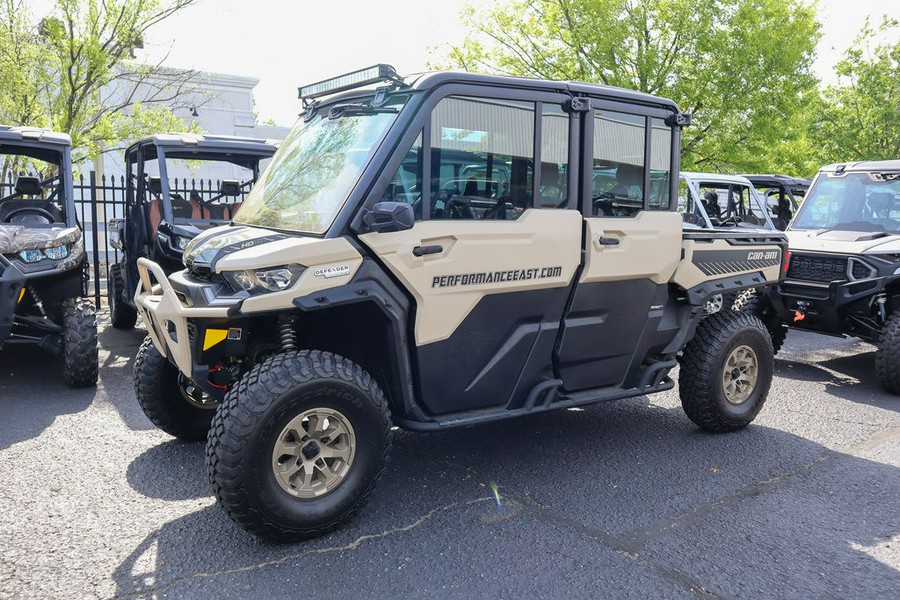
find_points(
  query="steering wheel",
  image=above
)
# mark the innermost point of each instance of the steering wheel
(458, 208)
(732, 220)
(30, 209)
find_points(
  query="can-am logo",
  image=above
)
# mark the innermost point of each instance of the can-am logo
(329, 272)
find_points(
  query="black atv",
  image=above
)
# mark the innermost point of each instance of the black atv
(164, 212)
(43, 265)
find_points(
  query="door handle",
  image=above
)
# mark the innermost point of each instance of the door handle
(608, 241)
(423, 250)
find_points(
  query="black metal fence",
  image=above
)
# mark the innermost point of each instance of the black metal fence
(97, 200)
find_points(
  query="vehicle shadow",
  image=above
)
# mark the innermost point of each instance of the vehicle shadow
(29, 377)
(850, 377)
(118, 348)
(624, 479)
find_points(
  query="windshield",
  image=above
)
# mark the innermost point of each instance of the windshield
(205, 189)
(315, 169)
(31, 190)
(854, 202)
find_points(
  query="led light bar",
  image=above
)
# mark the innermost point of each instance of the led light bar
(349, 81)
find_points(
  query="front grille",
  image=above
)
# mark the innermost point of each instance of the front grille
(192, 332)
(821, 269)
(201, 273)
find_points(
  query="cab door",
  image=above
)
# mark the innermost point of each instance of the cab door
(632, 245)
(493, 253)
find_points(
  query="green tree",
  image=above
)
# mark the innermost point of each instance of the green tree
(73, 71)
(741, 67)
(860, 116)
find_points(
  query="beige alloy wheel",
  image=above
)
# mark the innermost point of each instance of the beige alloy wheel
(314, 453)
(739, 374)
(193, 394)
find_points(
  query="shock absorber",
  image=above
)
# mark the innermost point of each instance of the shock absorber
(37, 301)
(287, 334)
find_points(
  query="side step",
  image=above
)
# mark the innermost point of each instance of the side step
(548, 395)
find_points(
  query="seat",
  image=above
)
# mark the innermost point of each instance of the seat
(28, 185)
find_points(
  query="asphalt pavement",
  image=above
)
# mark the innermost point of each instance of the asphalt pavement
(626, 499)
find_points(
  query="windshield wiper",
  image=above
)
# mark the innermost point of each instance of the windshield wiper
(357, 109)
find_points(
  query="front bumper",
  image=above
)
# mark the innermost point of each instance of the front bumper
(170, 321)
(825, 307)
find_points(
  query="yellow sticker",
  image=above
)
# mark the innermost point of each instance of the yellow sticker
(213, 337)
(21, 295)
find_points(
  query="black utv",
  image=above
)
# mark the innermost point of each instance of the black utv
(164, 211)
(43, 265)
(783, 195)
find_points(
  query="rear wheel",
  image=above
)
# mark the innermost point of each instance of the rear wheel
(80, 360)
(171, 400)
(751, 302)
(298, 445)
(887, 354)
(121, 315)
(726, 371)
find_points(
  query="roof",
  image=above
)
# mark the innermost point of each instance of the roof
(779, 180)
(210, 143)
(870, 165)
(715, 177)
(11, 135)
(427, 81)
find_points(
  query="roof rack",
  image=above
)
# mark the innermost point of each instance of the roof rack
(348, 81)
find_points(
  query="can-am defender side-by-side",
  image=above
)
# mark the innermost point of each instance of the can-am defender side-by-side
(843, 277)
(727, 202)
(434, 253)
(710, 200)
(43, 264)
(164, 212)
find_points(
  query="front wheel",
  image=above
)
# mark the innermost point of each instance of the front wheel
(726, 371)
(170, 400)
(298, 444)
(81, 363)
(122, 316)
(887, 355)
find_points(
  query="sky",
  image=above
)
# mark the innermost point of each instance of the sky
(289, 43)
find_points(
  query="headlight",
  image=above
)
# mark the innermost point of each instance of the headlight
(36, 255)
(57, 253)
(273, 279)
(182, 242)
(31, 256)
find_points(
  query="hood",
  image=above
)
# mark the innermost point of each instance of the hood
(842, 241)
(16, 238)
(239, 247)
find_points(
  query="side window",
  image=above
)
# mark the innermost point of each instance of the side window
(482, 158)
(554, 184)
(618, 166)
(406, 184)
(660, 164)
(717, 202)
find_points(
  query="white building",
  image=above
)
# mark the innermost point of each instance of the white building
(220, 104)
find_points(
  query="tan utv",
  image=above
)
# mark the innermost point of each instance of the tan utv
(439, 251)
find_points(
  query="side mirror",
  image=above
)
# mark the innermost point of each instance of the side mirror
(390, 216)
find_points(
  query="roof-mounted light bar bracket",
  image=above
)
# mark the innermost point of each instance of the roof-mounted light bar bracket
(348, 81)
